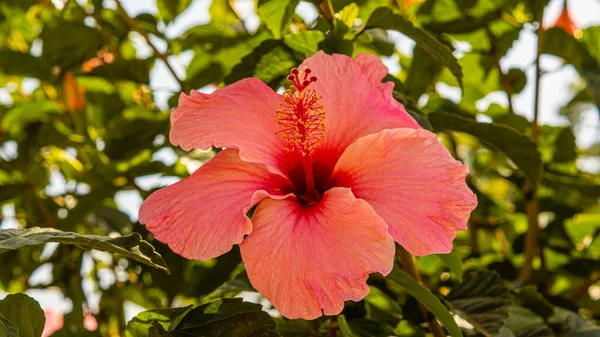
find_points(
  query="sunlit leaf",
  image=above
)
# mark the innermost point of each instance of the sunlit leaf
(131, 246)
(276, 14)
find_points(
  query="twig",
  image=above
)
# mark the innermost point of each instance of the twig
(408, 264)
(504, 80)
(532, 205)
(595, 278)
(325, 9)
(135, 26)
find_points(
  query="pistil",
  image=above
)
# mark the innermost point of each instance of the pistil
(301, 118)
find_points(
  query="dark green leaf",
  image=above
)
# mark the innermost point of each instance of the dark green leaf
(516, 146)
(517, 80)
(565, 146)
(226, 317)
(294, 328)
(7, 329)
(23, 312)
(483, 300)
(82, 44)
(528, 297)
(423, 72)
(130, 70)
(427, 298)
(587, 186)
(269, 61)
(523, 322)
(130, 246)
(22, 64)
(169, 9)
(386, 18)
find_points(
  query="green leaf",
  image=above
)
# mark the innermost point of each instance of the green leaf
(130, 70)
(7, 329)
(295, 328)
(587, 186)
(423, 72)
(130, 246)
(82, 44)
(516, 146)
(523, 322)
(380, 307)
(454, 263)
(386, 18)
(305, 42)
(345, 330)
(411, 107)
(528, 297)
(230, 289)
(169, 9)
(276, 14)
(483, 300)
(566, 149)
(25, 314)
(226, 317)
(427, 298)
(348, 14)
(22, 64)
(269, 61)
(141, 324)
(15, 119)
(517, 80)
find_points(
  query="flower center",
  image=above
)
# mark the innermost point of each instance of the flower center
(301, 119)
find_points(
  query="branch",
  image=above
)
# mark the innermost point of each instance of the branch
(135, 26)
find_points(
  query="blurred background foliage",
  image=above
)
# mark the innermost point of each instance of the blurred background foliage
(86, 89)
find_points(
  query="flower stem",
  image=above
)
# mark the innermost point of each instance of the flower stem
(409, 266)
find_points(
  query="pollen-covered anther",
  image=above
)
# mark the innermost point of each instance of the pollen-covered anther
(301, 115)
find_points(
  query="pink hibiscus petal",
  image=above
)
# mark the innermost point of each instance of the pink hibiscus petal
(204, 215)
(241, 115)
(356, 102)
(54, 321)
(413, 183)
(305, 259)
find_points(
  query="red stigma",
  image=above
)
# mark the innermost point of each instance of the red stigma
(300, 85)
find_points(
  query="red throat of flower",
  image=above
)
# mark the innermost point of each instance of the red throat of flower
(301, 119)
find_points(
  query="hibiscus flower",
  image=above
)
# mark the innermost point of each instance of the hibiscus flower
(566, 22)
(337, 171)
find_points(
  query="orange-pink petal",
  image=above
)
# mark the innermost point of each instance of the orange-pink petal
(204, 215)
(356, 102)
(413, 183)
(241, 115)
(308, 260)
